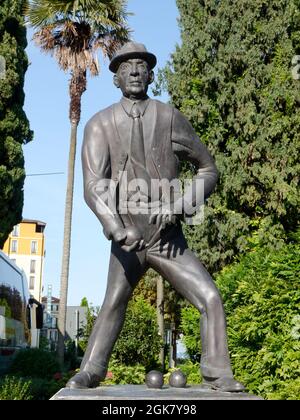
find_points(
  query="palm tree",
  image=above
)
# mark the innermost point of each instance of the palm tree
(73, 31)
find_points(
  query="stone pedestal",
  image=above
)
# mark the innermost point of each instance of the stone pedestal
(142, 393)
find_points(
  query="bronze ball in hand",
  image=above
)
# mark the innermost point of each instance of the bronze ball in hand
(132, 235)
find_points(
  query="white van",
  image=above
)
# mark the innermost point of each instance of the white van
(16, 311)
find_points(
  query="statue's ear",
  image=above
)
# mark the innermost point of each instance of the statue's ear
(151, 77)
(116, 81)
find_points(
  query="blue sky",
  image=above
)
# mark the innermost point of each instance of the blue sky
(47, 104)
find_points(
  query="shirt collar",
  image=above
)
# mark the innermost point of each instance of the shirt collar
(127, 104)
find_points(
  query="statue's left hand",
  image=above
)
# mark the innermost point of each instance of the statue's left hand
(164, 215)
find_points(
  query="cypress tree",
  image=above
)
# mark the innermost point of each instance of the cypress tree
(14, 126)
(232, 76)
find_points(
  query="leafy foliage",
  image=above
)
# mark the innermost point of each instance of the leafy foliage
(289, 390)
(14, 126)
(43, 389)
(85, 331)
(261, 296)
(190, 327)
(139, 342)
(262, 302)
(232, 77)
(34, 363)
(12, 388)
(190, 369)
(121, 374)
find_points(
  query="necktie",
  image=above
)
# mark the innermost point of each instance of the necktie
(137, 150)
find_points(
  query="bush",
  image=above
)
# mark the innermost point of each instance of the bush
(190, 327)
(86, 330)
(120, 374)
(190, 369)
(262, 301)
(261, 295)
(289, 390)
(71, 361)
(12, 388)
(139, 341)
(34, 363)
(44, 389)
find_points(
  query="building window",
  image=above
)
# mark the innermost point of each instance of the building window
(32, 266)
(14, 246)
(53, 335)
(31, 282)
(16, 231)
(34, 245)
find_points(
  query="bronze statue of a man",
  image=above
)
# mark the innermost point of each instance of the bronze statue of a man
(143, 139)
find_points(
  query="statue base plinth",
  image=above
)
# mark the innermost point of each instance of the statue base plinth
(142, 393)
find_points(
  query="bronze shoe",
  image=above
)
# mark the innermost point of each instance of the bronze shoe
(83, 380)
(224, 384)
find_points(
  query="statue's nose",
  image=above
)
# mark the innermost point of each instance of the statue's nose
(134, 70)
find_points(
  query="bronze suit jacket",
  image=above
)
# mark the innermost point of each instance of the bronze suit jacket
(169, 137)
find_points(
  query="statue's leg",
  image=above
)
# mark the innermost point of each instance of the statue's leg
(125, 270)
(178, 265)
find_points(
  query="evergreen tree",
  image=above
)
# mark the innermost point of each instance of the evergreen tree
(14, 126)
(232, 77)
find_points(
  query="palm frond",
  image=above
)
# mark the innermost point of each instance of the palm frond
(43, 12)
(74, 30)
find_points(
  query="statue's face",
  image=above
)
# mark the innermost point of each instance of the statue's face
(133, 78)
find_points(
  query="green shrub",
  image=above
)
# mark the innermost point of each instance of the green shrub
(71, 360)
(120, 374)
(190, 327)
(262, 301)
(261, 295)
(139, 341)
(34, 363)
(44, 389)
(289, 390)
(85, 331)
(12, 388)
(190, 369)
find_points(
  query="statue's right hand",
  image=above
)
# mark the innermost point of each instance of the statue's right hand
(136, 246)
(134, 240)
(128, 238)
(119, 235)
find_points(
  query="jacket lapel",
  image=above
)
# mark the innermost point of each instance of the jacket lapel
(122, 138)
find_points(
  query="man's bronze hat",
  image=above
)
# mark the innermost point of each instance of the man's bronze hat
(132, 50)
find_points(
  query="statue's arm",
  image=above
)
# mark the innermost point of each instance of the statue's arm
(96, 178)
(187, 146)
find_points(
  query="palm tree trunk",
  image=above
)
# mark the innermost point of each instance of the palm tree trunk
(66, 246)
(160, 318)
(77, 88)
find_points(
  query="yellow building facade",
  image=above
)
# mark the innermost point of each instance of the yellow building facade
(26, 247)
